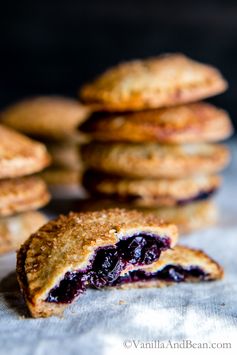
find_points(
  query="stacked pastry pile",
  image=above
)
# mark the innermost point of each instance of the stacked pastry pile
(54, 121)
(20, 195)
(154, 145)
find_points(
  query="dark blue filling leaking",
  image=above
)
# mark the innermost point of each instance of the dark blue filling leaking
(107, 264)
(204, 195)
(173, 273)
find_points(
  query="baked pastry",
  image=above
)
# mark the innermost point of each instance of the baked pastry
(180, 264)
(14, 230)
(188, 218)
(151, 160)
(86, 249)
(65, 155)
(19, 155)
(198, 122)
(22, 194)
(50, 117)
(163, 81)
(63, 183)
(152, 192)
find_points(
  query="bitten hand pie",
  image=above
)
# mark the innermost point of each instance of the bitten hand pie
(191, 123)
(151, 160)
(19, 155)
(163, 81)
(57, 263)
(180, 264)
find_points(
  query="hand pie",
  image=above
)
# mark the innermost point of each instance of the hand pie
(14, 230)
(57, 263)
(49, 117)
(19, 155)
(188, 218)
(180, 264)
(22, 194)
(63, 183)
(163, 81)
(151, 160)
(152, 192)
(191, 123)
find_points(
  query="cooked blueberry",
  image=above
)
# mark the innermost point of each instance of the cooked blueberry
(107, 265)
(172, 273)
(70, 287)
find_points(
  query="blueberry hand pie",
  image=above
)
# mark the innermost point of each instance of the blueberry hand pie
(152, 192)
(19, 155)
(48, 117)
(22, 194)
(152, 160)
(181, 264)
(71, 253)
(163, 81)
(14, 230)
(191, 123)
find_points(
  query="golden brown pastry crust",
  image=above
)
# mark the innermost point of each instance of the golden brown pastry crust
(179, 256)
(22, 194)
(163, 81)
(151, 160)
(188, 218)
(19, 155)
(59, 176)
(14, 230)
(64, 183)
(68, 243)
(65, 155)
(151, 192)
(198, 122)
(47, 116)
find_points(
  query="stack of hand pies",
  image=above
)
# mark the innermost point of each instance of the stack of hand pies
(20, 194)
(53, 120)
(154, 142)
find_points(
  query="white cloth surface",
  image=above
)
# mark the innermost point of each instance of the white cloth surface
(100, 321)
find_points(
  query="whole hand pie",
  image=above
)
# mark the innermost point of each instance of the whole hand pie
(163, 81)
(152, 192)
(49, 117)
(71, 253)
(151, 160)
(188, 218)
(14, 230)
(19, 155)
(22, 194)
(191, 123)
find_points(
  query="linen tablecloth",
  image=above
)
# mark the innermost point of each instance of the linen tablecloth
(142, 321)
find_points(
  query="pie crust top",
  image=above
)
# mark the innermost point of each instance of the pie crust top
(162, 81)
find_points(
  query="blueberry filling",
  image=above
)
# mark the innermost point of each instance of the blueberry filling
(204, 195)
(107, 264)
(173, 273)
(132, 198)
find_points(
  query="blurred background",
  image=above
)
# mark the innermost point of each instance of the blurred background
(53, 46)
